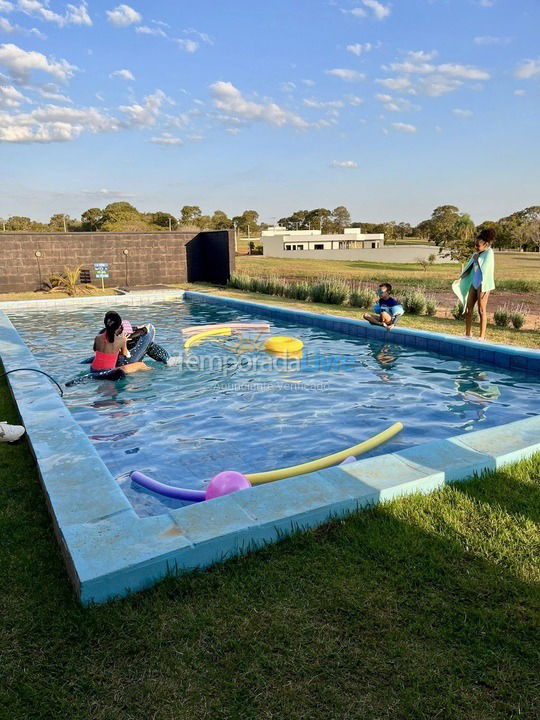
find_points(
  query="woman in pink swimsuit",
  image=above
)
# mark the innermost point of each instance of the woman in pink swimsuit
(109, 344)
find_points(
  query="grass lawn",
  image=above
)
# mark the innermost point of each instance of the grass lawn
(423, 608)
(518, 272)
(522, 338)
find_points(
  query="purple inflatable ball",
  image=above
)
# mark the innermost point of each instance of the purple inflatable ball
(348, 460)
(225, 483)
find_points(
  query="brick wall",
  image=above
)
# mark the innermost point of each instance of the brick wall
(151, 257)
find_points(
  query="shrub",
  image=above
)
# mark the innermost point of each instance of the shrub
(361, 297)
(501, 317)
(458, 310)
(68, 282)
(431, 305)
(414, 302)
(518, 317)
(332, 291)
(299, 291)
(239, 281)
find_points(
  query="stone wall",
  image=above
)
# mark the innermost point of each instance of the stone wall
(27, 259)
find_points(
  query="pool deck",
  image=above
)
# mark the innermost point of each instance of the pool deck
(110, 551)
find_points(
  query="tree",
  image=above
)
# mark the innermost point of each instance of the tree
(248, 220)
(190, 215)
(529, 233)
(442, 222)
(390, 230)
(296, 221)
(122, 216)
(58, 222)
(220, 221)
(341, 218)
(423, 230)
(459, 241)
(164, 219)
(319, 219)
(403, 229)
(91, 219)
(19, 223)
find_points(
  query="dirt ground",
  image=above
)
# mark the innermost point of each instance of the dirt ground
(530, 302)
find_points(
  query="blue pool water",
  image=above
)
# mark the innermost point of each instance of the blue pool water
(229, 407)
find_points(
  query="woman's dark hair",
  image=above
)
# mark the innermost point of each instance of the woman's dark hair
(112, 322)
(387, 286)
(487, 235)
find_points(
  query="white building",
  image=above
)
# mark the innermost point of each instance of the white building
(350, 245)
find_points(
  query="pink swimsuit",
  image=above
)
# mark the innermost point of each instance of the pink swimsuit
(104, 361)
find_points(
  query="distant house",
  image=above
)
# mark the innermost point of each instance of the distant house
(349, 245)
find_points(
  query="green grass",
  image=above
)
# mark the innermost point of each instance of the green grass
(515, 272)
(419, 609)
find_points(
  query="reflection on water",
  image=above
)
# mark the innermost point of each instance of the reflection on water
(184, 425)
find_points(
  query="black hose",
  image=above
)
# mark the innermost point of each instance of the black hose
(35, 370)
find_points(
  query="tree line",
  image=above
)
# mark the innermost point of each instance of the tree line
(450, 229)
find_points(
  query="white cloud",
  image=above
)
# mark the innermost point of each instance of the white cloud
(354, 100)
(146, 30)
(419, 75)
(309, 83)
(21, 63)
(528, 69)
(346, 74)
(492, 40)
(167, 139)
(396, 83)
(105, 193)
(146, 114)
(520, 92)
(485, 3)
(6, 6)
(345, 164)
(122, 75)
(50, 91)
(287, 87)
(230, 100)
(188, 45)
(377, 9)
(404, 127)
(358, 48)
(462, 113)
(396, 104)
(74, 15)
(10, 96)
(332, 104)
(9, 29)
(123, 16)
(53, 123)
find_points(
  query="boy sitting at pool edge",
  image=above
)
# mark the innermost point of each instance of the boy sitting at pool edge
(387, 311)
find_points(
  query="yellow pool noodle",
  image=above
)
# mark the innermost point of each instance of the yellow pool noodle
(328, 461)
(206, 334)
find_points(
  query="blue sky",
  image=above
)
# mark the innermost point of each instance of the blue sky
(390, 108)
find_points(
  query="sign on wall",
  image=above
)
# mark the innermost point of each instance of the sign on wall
(102, 271)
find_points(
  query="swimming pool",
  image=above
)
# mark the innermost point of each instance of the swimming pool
(113, 546)
(231, 406)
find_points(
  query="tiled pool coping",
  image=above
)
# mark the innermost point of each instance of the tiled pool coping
(110, 551)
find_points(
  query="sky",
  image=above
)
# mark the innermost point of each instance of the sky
(389, 108)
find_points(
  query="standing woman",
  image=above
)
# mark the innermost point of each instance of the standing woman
(476, 281)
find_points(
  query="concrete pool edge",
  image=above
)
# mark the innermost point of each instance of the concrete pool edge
(110, 551)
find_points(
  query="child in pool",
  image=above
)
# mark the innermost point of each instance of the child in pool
(387, 310)
(109, 344)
